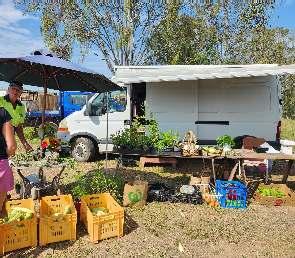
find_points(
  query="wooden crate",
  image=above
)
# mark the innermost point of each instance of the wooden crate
(52, 230)
(16, 235)
(104, 226)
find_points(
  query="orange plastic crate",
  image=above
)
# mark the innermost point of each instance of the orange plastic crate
(104, 226)
(17, 235)
(51, 231)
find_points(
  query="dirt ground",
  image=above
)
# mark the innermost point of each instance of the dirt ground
(183, 230)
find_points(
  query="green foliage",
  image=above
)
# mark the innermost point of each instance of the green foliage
(288, 96)
(288, 129)
(225, 140)
(167, 139)
(69, 161)
(98, 182)
(140, 137)
(132, 138)
(30, 133)
(182, 39)
(269, 191)
(168, 32)
(117, 29)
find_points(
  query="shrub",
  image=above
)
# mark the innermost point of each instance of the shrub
(98, 182)
(30, 133)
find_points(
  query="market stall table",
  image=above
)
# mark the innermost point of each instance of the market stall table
(239, 156)
(244, 154)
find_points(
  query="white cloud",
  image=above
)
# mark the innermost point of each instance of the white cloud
(16, 39)
(10, 16)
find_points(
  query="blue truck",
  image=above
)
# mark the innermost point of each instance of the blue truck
(59, 105)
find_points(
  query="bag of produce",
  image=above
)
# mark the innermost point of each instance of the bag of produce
(135, 193)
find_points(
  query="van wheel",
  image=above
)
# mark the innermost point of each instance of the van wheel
(83, 149)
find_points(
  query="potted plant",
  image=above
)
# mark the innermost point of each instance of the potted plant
(226, 142)
(167, 141)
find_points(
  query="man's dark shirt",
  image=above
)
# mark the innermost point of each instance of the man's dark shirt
(4, 117)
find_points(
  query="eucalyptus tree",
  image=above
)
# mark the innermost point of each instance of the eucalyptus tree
(118, 29)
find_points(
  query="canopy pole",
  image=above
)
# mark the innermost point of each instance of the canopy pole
(44, 106)
(107, 138)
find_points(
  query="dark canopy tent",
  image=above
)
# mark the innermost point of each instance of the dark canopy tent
(50, 72)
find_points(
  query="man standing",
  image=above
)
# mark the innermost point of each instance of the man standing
(16, 110)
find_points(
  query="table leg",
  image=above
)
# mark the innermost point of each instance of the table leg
(287, 172)
(233, 172)
(120, 161)
(213, 169)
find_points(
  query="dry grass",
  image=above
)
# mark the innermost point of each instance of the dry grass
(288, 129)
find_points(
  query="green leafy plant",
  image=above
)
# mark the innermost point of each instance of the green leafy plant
(30, 133)
(225, 140)
(144, 137)
(133, 138)
(166, 139)
(98, 182)
(270, 192)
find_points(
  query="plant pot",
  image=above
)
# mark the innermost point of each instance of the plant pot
(168, 149)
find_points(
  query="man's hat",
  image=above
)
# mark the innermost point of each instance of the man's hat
(16, 84)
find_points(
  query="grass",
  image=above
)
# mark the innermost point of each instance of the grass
(288, 129)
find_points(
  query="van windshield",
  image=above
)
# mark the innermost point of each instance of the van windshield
(117, 101)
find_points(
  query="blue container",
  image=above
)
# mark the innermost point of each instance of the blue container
(232, 194)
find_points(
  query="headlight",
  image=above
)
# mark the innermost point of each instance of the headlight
(63, 126)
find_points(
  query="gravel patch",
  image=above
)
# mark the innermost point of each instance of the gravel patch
(161, 229)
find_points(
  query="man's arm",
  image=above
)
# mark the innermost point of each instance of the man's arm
(7, 131)
(20, 133)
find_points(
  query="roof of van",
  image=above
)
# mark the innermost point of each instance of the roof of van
(137, 74)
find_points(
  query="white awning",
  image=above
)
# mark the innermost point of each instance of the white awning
(138, 74)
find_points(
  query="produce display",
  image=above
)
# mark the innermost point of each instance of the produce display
(212, 150)
(211, 200)
(189, 145)
(161, 193)
(99, 211)
(270, 192)
(234, 203)
(60, 216)
(17, 214)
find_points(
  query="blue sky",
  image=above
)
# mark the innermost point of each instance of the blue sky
(20, 35)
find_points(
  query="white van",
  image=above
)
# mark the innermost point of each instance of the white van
(210, 100)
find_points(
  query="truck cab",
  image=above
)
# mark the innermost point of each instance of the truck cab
(85, 131)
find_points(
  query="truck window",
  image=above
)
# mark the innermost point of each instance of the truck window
(117, 101)
(80, 100)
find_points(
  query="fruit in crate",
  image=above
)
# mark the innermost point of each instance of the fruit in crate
(57, 217)
(99, 211)
(19, 214)
(68, 209)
